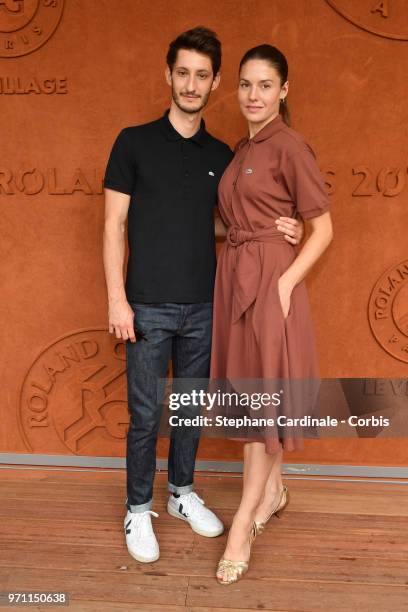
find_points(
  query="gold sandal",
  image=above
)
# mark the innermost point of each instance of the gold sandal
(234, 570)
(277, 511)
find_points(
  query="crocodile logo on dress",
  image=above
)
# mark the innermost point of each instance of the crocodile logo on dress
(248, 171)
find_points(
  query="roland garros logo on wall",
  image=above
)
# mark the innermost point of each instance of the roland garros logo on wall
(387, 18)
(74, 396)
(25, 25)
(388, 311)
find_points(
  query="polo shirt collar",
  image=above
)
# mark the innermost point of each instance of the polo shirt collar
(172, 134)
(269, 129)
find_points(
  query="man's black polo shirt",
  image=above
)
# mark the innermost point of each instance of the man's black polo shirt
(173, 184)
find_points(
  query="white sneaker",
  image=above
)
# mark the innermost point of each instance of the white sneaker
(191, 508)
(140, 539)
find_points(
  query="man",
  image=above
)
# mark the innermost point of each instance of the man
(164, 175)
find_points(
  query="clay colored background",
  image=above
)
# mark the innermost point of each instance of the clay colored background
(72, 74)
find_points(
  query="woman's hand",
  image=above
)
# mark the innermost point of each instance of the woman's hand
(284, 292)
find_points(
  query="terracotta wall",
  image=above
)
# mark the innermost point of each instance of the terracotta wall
(73, 73)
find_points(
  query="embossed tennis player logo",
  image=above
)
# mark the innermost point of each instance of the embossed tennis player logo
(25, 25)
(387, 18)
(388, 311)
(74, 396)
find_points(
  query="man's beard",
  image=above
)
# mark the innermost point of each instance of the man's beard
(186, 109)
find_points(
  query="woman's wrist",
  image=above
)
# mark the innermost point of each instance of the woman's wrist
(287, 283)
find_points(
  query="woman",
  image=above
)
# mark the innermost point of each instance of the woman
(262, 324)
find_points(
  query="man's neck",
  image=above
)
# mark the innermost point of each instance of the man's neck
(186, 124)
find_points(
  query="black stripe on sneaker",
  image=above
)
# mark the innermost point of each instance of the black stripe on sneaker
(181, 510)
(127, 525)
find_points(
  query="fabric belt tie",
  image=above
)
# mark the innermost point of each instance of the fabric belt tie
(247, 271)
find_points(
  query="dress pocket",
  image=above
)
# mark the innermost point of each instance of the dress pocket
(280, 304)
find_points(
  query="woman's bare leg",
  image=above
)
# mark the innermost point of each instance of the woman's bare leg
(257, 470)
(272, 489)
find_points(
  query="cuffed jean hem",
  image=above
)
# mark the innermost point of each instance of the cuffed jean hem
(180, 490)
(139, 507)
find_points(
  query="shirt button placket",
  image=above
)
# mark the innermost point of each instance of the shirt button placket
(186, 167)
(185, 160)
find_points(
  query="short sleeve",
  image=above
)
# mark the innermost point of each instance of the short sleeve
(120, 170)
(305, 183)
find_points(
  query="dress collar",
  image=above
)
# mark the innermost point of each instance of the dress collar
(268, 130)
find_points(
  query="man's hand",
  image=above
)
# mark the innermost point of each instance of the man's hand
(121, 318)
(220, 227)
(292, 229)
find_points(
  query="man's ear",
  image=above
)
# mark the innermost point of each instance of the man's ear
(216, 81)
(167, 75)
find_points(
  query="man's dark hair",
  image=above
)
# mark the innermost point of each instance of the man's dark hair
(198, 39)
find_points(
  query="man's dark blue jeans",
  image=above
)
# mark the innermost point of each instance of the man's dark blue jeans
(164, 331)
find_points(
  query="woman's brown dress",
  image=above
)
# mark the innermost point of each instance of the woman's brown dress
(272, 174)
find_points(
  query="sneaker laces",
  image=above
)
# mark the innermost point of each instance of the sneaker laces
(193, 503)
(142, 526)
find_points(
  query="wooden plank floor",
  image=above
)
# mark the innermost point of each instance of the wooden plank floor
(339, 546)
